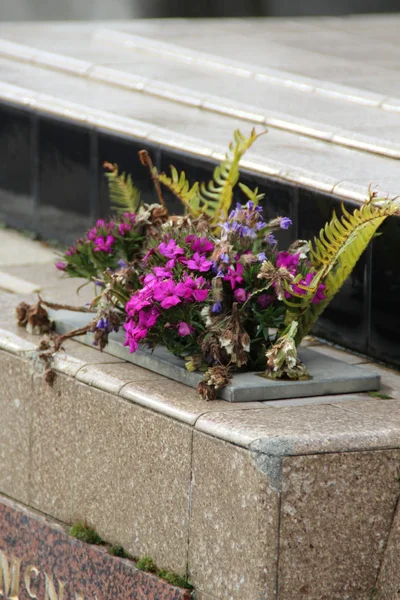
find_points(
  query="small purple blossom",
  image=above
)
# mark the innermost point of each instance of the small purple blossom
(234, 275)
(270, 239)
(216, 308)
(265, 300)
(201, 245)
(261, 257)
(285, 223)
(122, 263)
(288, 261)
(166, 294)
(61, 266)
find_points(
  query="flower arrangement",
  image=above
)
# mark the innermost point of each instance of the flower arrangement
(212, 286)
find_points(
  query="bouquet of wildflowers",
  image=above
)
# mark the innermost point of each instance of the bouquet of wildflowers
(212, 286)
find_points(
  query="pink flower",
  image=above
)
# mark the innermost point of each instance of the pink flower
(124, 228)
(104, 245)
(170, 250)
(72, 250)
(288, 261)
(100, 223)
(166, 294)
(148, 254)
(131, 217)
(240, 295)
(162, 272)
(201, 245)
(139, 300)
(189, 289)
(134, 334)
(148, 318)
(185, 329)
(200, 295)
(234, 276)
(92, 234)
(61, 266)
(198, 263)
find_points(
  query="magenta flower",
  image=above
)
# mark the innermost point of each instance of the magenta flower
(148, 254)
(234, 275)
(170, 250)
(139, 300)
(131, 217)
(162, 272)
(72, 250)
(104, 245)
(240, 295)
(288, 261)
(198, 263)
(61, 266)
(123, 228)
(134, 334)
(100, 223)
(185, 329)
(92, 234)
(201, 245)
(166, 294)
(148, 318)
(200, 295)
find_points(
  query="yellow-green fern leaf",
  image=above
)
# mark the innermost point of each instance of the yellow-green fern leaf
(217, 195)
(334, 254)
(252, 195)
(180, 187)
(124, 196)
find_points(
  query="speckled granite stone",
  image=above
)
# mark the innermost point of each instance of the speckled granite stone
(54, 565)
(14, 425)
(336, 514)
(233, 524)
(388, 584)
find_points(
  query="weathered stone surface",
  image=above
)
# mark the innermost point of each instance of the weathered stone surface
(336, 514)
(122, 468)
(131, 476)
(233, 523)
(38, 559)
(15, 395)
(388, 585)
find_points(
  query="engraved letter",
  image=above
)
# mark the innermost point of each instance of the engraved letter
(9, 577)
(27, 579)
(50, 590)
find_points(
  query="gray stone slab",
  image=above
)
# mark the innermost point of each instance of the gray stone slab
(329, 376)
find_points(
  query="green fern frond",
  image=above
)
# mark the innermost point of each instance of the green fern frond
(252, 195)
(124, 196)
(334, 254)
(215, 197)
(180, 187)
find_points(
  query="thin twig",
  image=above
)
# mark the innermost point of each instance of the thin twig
(66, 336)
(56, 306)
(147, 162)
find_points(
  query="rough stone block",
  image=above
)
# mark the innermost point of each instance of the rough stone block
(233, 523)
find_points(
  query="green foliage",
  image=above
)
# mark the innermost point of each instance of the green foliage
(147, 564)
(334, 254)
(215, 197)
(84, 533)
(125, 197)
(118, 550)
(379, 395)
(174, 579)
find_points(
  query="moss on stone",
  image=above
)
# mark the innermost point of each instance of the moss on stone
(118, 550)
(379, 395)
(84, 533)
(147, 564)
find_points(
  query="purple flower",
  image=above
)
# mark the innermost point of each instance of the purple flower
(131, 217)
(123, 228)
(198, 263)
(103, 324)
(123, 264)
(134, 334)
(104, 245)
(270, 239)
(234, 275)
(184, 329)
(216, 308)
(61, 266)
(148, 318)
(166, 294)
(72, 250)
(170, 250)
(260, 225)
(240, 295)
(162, 272)
(246, 231)
(264, 300)
(319, 294)
(261, 257)
(100, 223)
(285, 223)
(225, 258)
